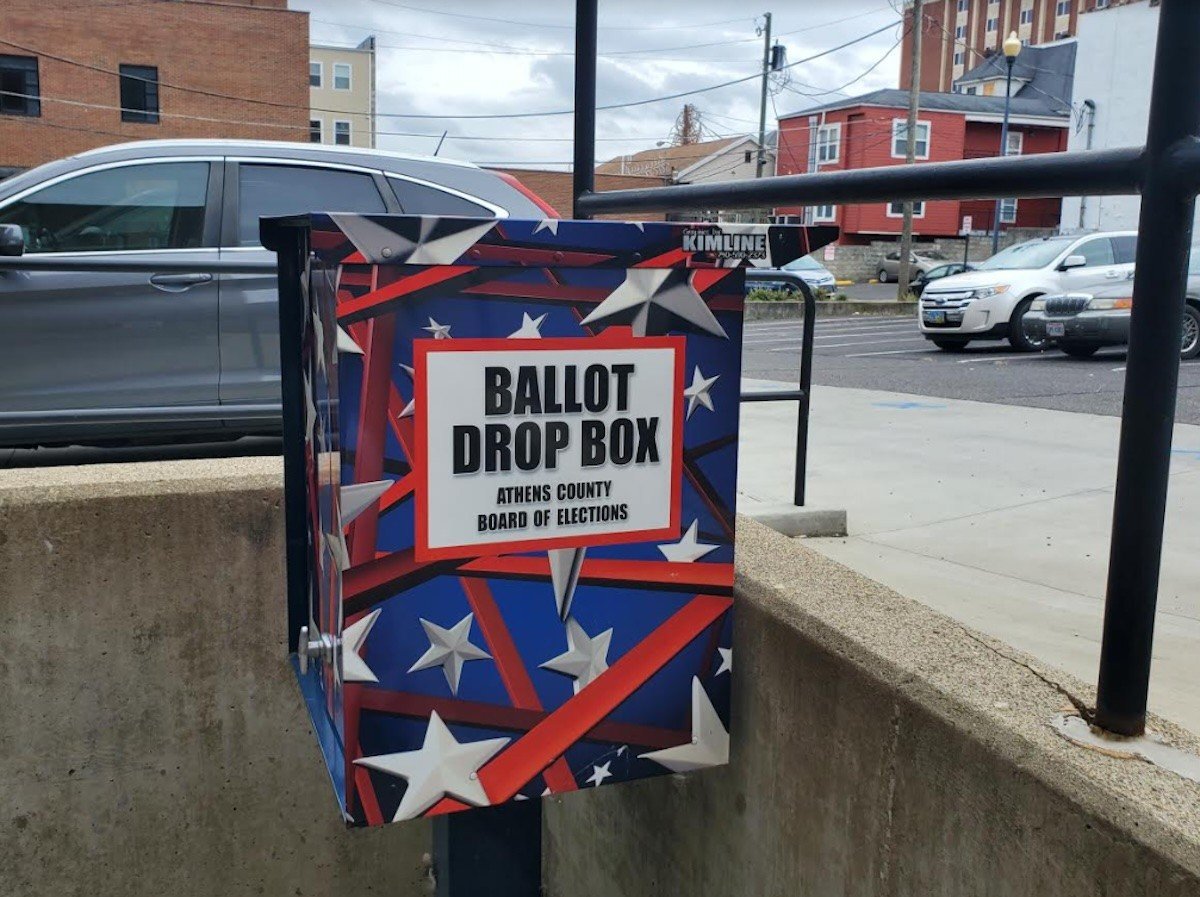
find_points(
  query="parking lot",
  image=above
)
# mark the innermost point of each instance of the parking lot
(888, 353)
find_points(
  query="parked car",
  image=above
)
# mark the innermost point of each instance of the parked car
(787, 278)
(992, 301)
(92, 356)
(1080, 324)
(889, 267)
(924, 278)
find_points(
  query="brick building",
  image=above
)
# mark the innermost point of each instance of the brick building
(871, 130)
(77, 74)
(959, 34)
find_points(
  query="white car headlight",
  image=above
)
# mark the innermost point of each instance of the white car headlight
(1038, 305)
(988, 292)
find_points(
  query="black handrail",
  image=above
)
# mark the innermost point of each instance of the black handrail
(1166, 172)
(803, 395)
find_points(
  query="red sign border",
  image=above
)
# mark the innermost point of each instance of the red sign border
(612, 338)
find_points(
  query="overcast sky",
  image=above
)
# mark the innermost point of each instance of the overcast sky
(489, 57)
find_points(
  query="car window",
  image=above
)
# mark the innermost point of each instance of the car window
(132, 207)
(1097, 252)
(1124, 249)
(266, 190)
(939, 271)
(893, 256)
(418, 199)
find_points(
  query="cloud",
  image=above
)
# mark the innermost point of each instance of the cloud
(474, 59)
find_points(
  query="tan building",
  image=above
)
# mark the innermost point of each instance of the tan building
(959, 34)
(78, 74)
(341, 83)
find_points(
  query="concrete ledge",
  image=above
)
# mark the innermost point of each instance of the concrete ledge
(793, 521)
(152, 740)
(775, 311)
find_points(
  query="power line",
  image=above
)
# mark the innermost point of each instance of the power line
(460, 15)
(464, 117)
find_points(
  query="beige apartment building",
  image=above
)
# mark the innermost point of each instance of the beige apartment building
(341, 83)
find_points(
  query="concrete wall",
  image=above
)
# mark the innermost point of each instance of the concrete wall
(152, 740)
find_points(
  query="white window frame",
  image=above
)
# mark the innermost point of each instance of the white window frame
(960, 32)
(821, 215)
(1062, 8)
(959, 57)
(1101, 4)
(963, 5)
(349, 131)
(992, 24)
(1008, 213)
(1020, 142)
(829, 137)
(349, 75)
(918, 209)
(320, 129)
(1026, 17)
(898, 123)
(320, 66)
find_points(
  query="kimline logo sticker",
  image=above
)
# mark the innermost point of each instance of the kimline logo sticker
(726, 245)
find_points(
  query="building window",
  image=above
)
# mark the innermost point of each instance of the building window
(992, 24)
(960, 32)
(1063, 8)
(1008, 211)
(958, 58)
(971, 90)
(896, 209)
(341, 133)
(1062, 35)
(1101, 4)
(139, 94)
(19, 90)
(962, 5)
(900, 139)
(824, 213)
(829, 138)
(316, 74)
(341, 76)
(1015, 142)
(315, 130)
(1027, 17)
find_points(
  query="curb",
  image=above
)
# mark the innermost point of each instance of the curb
(782, 311)
(793, 521)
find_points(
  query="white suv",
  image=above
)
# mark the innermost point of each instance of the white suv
(991, 301)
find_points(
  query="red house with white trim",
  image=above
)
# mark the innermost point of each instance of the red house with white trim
(871, 131)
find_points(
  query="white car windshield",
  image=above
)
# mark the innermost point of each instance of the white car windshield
(1032, 254)
(804, 263)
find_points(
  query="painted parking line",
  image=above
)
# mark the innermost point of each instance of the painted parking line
(889, 352)
(1024, 356)
(1121, 368)
(869, 342)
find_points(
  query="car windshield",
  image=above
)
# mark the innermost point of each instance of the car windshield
(932, 254)
(804, 263)
(1033, 254)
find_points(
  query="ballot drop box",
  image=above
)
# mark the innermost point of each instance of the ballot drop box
(511, 464)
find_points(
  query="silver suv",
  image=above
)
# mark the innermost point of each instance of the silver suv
(188, 351)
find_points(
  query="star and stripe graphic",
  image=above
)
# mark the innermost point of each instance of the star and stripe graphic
(471, 681)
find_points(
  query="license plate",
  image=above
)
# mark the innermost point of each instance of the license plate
(935, 317)
(1055, 329)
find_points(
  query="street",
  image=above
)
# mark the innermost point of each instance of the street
(889, 353)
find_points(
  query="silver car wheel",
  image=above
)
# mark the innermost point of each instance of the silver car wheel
(1191, 334)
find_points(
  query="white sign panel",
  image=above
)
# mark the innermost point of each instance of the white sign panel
(532, 444)
(966, 224)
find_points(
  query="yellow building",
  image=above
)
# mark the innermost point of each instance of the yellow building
(341, 83)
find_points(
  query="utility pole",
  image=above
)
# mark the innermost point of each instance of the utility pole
(910, 152)
(765, 31)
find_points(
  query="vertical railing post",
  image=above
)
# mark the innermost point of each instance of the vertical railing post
(806, 350)
(1151, 377)
(583, 178)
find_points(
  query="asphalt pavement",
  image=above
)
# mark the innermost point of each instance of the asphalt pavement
(889, 353)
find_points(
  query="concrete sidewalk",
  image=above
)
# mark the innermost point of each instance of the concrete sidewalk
(994, 514)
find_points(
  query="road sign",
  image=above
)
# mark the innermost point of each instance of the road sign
(516, 445)
(967, 224)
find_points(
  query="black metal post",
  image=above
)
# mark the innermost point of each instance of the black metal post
(491, 852)
(583, 177)
(810, 329)
(1151, 376)
(1003, 150)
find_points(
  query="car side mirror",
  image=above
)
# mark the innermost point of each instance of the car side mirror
(12, 240)
(1073, 261)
